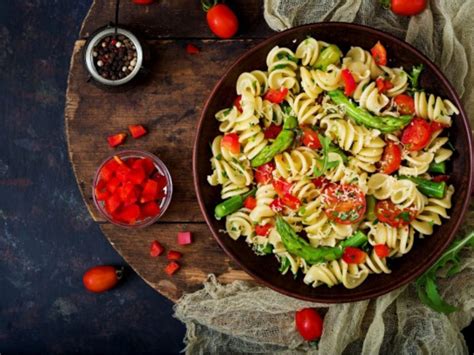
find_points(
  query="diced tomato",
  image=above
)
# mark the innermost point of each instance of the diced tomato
(172, 267)
(310, 138)
(405, 104)
(264, 230)
(145, 163)
(291, 201)
(160, 180)
(272, 131)
(436, 126)
(184, 238)
(379, 53)
(101, 192)
(250, 202)
(276, 96)
(174, 255)
(238, 103)
(281, 187)
(276, 205)
(263, 174)
(349, 82)
(391, 158)
(122, 172)
(344, 204)
(416, 135)
(320, 182)
(116, 139)
(230, 142)
(387, 212)
(150, 209)
(382, 250)
(150, 191)
(353, 255)
(192, 49)
(113, 184)
(383, 85)
(108, 170)
(129, 194)
(440, 178)
(112, 203)
(137, 176)
(137, 130)
(129, 214)
(156, 249)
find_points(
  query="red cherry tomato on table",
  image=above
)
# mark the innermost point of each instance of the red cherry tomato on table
(379, 53)
(101, 278)
(344, 204)
(309, 324)
(263, 174)
(220, 18)
(310, 138)
(349, 82)
(416, 135)
(405, 104)
(387, 212)
(231, 142)
(276, 96)
(353, 255)
(391, 158)
(407, 7)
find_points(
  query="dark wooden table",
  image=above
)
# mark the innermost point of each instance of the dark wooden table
(168, 103)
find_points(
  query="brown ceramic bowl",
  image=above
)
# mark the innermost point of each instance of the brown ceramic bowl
(425, 251)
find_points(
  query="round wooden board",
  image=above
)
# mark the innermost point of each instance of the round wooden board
(168, 104)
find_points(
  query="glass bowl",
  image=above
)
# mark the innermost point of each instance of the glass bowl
(163, 203)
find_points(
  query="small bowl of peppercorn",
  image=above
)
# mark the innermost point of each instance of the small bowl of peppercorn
(113, 56)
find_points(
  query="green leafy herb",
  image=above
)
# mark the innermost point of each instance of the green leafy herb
(227, 111)
(219, 156)
(415, 76)
(284, 265)
(325, 163)
(263, 249)
(279, 66)
(283, 55)
(426, 285)
(405, 215)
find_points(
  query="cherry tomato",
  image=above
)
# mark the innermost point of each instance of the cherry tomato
(407, 7)
(276, 96)
(192, 49)
(382, 250)
(277, 205)
(405, 104)
(263, 230)
(238, 103)
(416, 135)
(383, 85)
(391, 158)
(344, 204)
(353, 255)
(291, 201)
(320, 182)
(310, 138)
(309, 324)
(379, 53)
(101, 278)
(250, 202)
(387, 212)
(436, 126)
(231, 142)
(263, 174)
(272, 131)
(349, 82)
(281, 187)
(221, 19)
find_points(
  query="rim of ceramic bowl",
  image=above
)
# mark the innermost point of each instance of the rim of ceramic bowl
(162, 169)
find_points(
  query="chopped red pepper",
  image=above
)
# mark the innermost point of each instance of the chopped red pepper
(137, 176)
(250, 202)
(379, 53)
(156, 249)
(137, 130)
(310, 138)
(116, 139)
(172, 267)
(440, 178)
(277, 205)
(113, 184)
(129, 193)
(276, 96)
(353, 255)
(382, 250)
(272, 131)
(291, 201)
(263, 230)
(231, 142)
(349, 82)
(101, 192)
(281, 187)
(238, 103)
(112, 203)
(383, 85)
(160, 180)
(174, 255)
(108, 170)
(192, 49)
(263, 174)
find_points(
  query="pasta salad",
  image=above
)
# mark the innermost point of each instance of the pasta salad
(332, 162)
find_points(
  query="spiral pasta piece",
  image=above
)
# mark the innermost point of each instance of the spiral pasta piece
(305, 109)
(298, 163)
(434, 108)
(264, 196)
(308, 51)
(253, 141)
(398, 78)
(281, 67)
(375, 264)
(399, 240)
(417, 163)
(254, 83)
(440, 153)
(363, 57)
(336, 272)
(239, 224)
(308, 83)
(271, 113)
(371, 99)
(330, 79)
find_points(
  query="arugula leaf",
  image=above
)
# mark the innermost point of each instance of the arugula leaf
(326, 164)
(415, 76)
(405, 215)
(284, 265)
(426, 285)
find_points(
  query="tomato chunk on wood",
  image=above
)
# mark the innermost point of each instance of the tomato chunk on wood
(156, 249)
(150, 209)
(172, 267)
(137, 130)
(184, 238)
(116, 139)
(174, 255)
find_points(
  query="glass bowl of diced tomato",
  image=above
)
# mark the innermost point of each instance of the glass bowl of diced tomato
(132, 188)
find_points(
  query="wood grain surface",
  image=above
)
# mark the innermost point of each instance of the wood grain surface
(168, 102)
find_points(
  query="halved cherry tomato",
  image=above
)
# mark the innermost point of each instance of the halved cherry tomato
(150, 191)
(277, 205)
(230, 141)
(320, 182)
(391, 158)
(263, 230)
(382, 250)
(272, 131)
(349, 82)
(379, 53)
(116, 139)
(383, 85)
(250, 202)
(276, 96)
(387, 212)
(416, 135)
(405, 104)
(407, 7)
(221, 19)
(172, 267)
(310, 138)
(263, 174)
(101, 278)
(156, 249)
(440, 178)
(192, 49)
(344, 204)
(149, 209)
(291, 201)
(137, 130)
(309, 324)
(353, 255)
(436, 126)
(281, 187)
(174, 255)
(238, 103)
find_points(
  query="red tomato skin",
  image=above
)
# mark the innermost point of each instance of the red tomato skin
(263, 174)
(291, 201)
(272, 131)
(230, 141)
(309, 324)
(101, 278)
(222, 21)
(408, 8)
(250, 202)
(379, 53)
(264, 230)
(276, 96)
(116, 139)
(416, 135)
(310, 138)
(353, 255)
(342, 200)
(383, 85)
(137, 130)
(382, 250)
(349, 82)
(277, 205)
(391, 158)
(389, 213)
(405, 104)
(281, 187)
